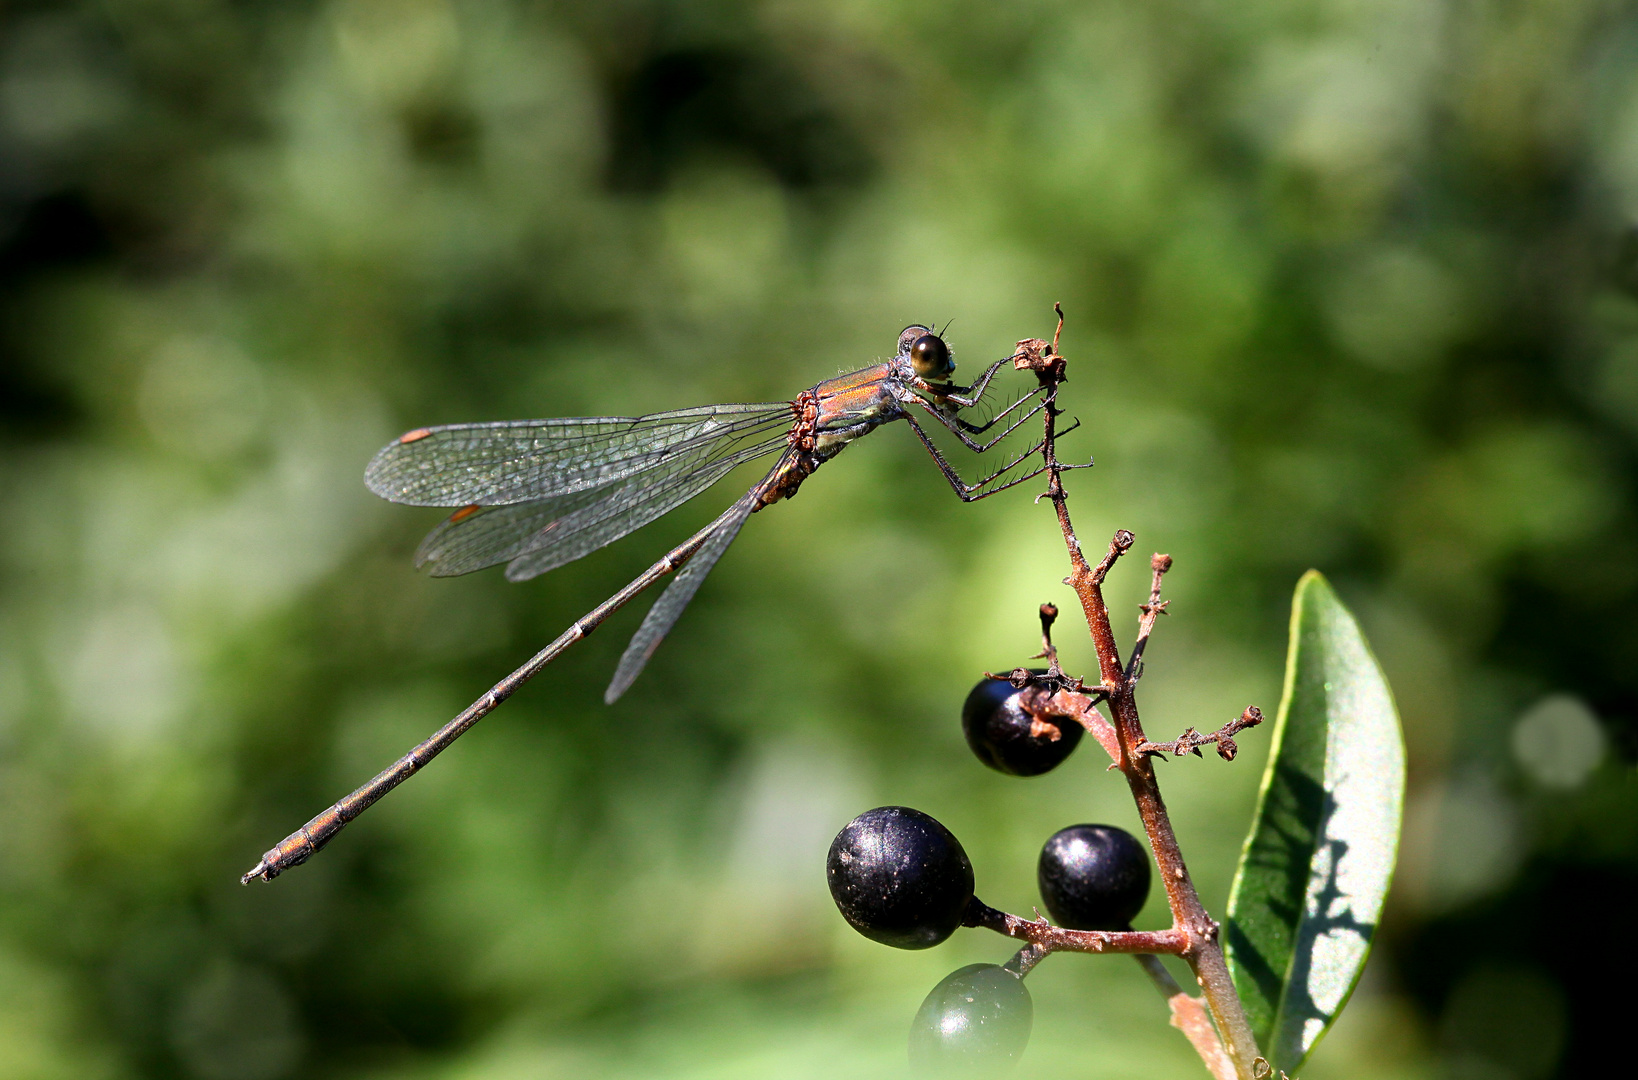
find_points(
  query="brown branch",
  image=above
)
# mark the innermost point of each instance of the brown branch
(1049, 651)
(1189, 917)
(1083, 709)
(1046, 705)
(1061, 939)
(1189, 1013)
(1191, 740)
(1153, 610)
(1190, 1016)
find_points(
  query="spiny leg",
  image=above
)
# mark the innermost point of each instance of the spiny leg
(973, 444)
(979, 429)
(967, 396)
(973, 492)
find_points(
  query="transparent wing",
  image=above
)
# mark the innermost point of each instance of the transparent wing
(493, 535)
(539, 536)
(669, 607)
(499, 464)
(623, 511)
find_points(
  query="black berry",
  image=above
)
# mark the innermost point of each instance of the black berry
(1007, 738)
(899, 877)
(1093, 877)
(974, 1023)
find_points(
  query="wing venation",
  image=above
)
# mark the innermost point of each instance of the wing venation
(516, 461)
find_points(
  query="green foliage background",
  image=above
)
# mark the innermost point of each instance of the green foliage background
(1350, 285)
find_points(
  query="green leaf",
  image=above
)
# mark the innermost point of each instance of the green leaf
(1316, 867)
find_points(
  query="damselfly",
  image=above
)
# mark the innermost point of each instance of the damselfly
(536, 494)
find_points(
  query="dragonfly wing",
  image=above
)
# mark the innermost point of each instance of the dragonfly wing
(475, 538)
(630, 507)
(499, 464)
(669, 607)
(539, 536)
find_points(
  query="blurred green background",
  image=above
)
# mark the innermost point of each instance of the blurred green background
(1350, 284)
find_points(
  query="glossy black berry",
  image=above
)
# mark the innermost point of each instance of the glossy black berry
(1093, 877)
(899, 877)
(974, 1023)
(1007, 738)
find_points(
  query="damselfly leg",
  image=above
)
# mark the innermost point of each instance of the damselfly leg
(961, 430)
(981, 490)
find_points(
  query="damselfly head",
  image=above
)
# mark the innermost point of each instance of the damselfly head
(928, 354)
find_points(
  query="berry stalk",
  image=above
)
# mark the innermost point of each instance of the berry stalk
(1190, 919)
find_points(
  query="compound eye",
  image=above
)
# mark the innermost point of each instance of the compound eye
(930, 357)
